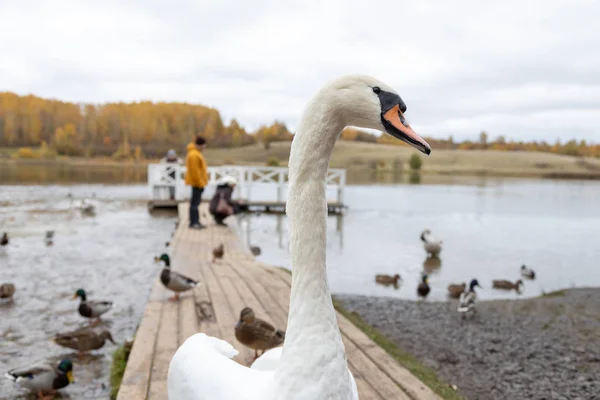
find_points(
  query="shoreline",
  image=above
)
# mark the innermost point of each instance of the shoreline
(382, 173)
(540, 348)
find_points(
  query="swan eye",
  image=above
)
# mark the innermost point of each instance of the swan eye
(376, 89)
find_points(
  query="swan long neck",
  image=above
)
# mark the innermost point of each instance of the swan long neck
(312, 324)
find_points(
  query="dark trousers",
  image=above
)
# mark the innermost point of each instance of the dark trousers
(194, 203)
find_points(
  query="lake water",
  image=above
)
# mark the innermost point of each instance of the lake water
(489, 228)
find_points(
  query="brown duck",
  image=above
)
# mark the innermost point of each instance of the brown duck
(507, 285)
(4, 239)
(387, 279)
(455, 290)
(218, 252)
(83, 339)
(7, 290)
(256, 333)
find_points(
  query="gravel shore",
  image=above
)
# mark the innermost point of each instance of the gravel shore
(540, 348)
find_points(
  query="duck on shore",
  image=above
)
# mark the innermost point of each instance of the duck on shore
(423, 289)
(507, 285)
(466, 301)
(91, 308)
(218, 252)
(174, 280)
(527, 272)
(257, 333)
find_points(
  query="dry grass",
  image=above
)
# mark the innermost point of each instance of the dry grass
(363, 157)
(451, 162)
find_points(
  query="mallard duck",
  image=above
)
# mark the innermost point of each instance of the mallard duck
(527, 272)
(4, 239)
(43, 377)
(507, 285)
(423, 288)
(218, 252)
(91, 309)
(387, 279)
(255, 250)
(7, 290)
(431, 245)
(455, 290)
(83, 339)
(174, 280)
(256, 333)
(48, 239)
(466, 301)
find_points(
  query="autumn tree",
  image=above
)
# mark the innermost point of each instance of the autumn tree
(483, 139)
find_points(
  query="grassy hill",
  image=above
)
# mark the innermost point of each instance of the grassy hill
(357, 155)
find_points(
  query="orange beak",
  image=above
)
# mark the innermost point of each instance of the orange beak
(395, 124)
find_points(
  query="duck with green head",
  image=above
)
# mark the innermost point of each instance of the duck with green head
(43, 377)
(174, 280)
(91, 308)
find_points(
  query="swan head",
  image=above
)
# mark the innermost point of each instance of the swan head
(365, 102)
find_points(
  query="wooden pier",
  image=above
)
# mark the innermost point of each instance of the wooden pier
(213, 307)
(259, 189)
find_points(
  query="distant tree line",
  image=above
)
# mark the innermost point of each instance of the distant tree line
(135, 130)
(571, 147)
(120, 128)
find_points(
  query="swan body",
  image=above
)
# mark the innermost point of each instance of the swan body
(312, 363)
(431, 245)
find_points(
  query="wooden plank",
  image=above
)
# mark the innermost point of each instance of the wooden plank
(166, 345)
(409, 383)
(136, 378)
(225, 318)
(382, 383)
(365, 390)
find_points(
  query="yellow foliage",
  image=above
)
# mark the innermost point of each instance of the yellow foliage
(25, 152)
(273, 162)
(138, 154)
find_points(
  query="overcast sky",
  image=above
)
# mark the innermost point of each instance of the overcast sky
(520, 68)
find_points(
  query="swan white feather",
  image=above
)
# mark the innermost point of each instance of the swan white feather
(312, 363)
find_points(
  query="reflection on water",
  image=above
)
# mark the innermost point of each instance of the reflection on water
(109, 255)
(64, 173)
(25, 173)
(488, 233)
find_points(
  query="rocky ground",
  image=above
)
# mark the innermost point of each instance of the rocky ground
(541, 348)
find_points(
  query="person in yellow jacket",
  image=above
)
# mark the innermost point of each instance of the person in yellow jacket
(196, 176)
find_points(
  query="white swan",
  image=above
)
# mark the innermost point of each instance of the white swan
(312, 363)
(431, 245)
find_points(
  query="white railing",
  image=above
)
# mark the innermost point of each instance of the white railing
(166, 179)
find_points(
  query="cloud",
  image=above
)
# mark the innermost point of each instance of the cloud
(526, 70)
